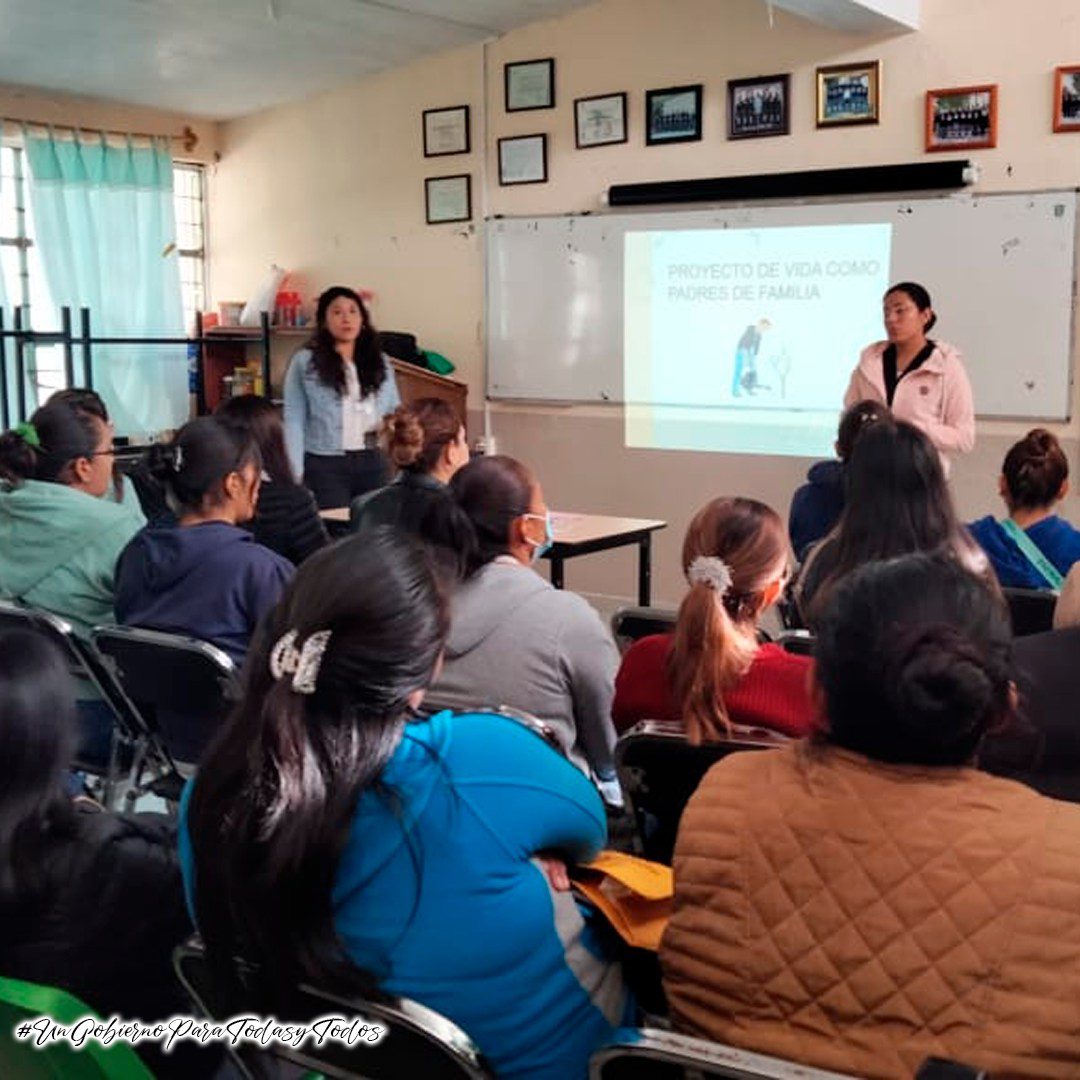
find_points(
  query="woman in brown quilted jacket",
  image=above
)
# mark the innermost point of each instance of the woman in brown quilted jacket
(868, 899)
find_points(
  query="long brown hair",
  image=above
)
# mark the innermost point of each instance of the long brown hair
(367, 356)
(716, 632)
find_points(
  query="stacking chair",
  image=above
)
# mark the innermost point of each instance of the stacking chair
(416, 1041)
(131, 743)
(182, 688)
(653, 1054)
(21, 1001)
(1031, 610)
(628, 624)
(659, 770)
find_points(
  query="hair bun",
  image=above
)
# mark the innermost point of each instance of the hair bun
(941, 686)
(404, 435)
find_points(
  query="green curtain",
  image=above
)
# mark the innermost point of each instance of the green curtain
(105, 228)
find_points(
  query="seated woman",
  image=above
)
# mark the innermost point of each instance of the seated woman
(59, 538)
(286, 518)
(711, 673)
(122, 490)
(91, 902)
(205, 577)
(330, 839)
(816, 506)
(865, 900)
(514, 640)
(1032, 548)
(426, 442)
(897, 502)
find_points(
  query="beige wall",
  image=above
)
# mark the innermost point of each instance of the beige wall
(333, 188)
(20, 103)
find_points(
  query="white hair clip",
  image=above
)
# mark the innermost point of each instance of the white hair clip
(711, 571)
(302, 664)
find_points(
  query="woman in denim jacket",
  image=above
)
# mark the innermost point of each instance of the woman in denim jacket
(337, 391)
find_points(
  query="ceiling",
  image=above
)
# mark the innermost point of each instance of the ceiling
(224, 58)
(221, 59)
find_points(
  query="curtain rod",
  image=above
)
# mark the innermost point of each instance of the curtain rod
(187, 138)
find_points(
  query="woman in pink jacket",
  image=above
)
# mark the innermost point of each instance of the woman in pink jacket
(922, 381)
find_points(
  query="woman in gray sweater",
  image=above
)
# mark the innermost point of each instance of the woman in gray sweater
(514, 640)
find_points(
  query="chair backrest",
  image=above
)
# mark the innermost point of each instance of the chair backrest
(1042, 748)
(652, 1054)
(628, 624)
(415, 1041)
(81, 657)
(21, 1001)
(182, 687)
(1031, 610)
(659, 770)
(799, 642)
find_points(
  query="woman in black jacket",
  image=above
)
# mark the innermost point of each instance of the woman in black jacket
(426, 443)
(286, 519)
(90, 902)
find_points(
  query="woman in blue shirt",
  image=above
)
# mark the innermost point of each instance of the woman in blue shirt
(331, 838)
(1034, 479)
(337, 390)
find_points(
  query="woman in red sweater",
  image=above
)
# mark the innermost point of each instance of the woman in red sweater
(711, 673)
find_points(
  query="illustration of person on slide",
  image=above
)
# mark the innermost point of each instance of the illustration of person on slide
(745, 377)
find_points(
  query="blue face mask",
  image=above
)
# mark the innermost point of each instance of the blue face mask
(544, 546)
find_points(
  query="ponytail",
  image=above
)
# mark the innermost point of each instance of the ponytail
(58, 433)
(711, 653)
(732, 552)
(18, 458)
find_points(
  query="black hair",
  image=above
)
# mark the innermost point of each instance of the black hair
(83, 398)
(62, 433)
(918, 295)
(1035, 469)
(195, 462)
(491, 491)
(367, 356)
(276, 792)
(854, 422)
(37, 741)
(896, 502)
(914, 656)
(260, 419)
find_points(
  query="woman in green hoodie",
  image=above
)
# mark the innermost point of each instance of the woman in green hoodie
(59, 539)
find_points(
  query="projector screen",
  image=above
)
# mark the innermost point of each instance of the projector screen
(743, 340)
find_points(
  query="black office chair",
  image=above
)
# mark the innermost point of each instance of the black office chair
(659, 771)
(415, 1041)
(132, 745)
(183, 688)
(1041, 748)
(628, 624)
(1031, 610)
(799, 642)
(654, 1054)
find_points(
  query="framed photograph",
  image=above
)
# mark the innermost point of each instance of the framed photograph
(673, 115)
(1067, 98)
(446, 131)
(600, 121)
(961, 118)
(758, 107)
(448, 198)
(849, 94)
(530, 84)
(523, 160)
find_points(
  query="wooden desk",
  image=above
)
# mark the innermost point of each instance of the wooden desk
(583, 534)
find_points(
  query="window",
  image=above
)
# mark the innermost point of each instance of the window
(24, 278)
(191, 239)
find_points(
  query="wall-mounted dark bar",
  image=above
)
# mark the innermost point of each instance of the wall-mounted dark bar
(84, 331)
(20, 367)
(69, 352)
(5, 416)
(865, 180)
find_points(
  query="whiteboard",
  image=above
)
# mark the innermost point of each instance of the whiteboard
(1001, 269)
